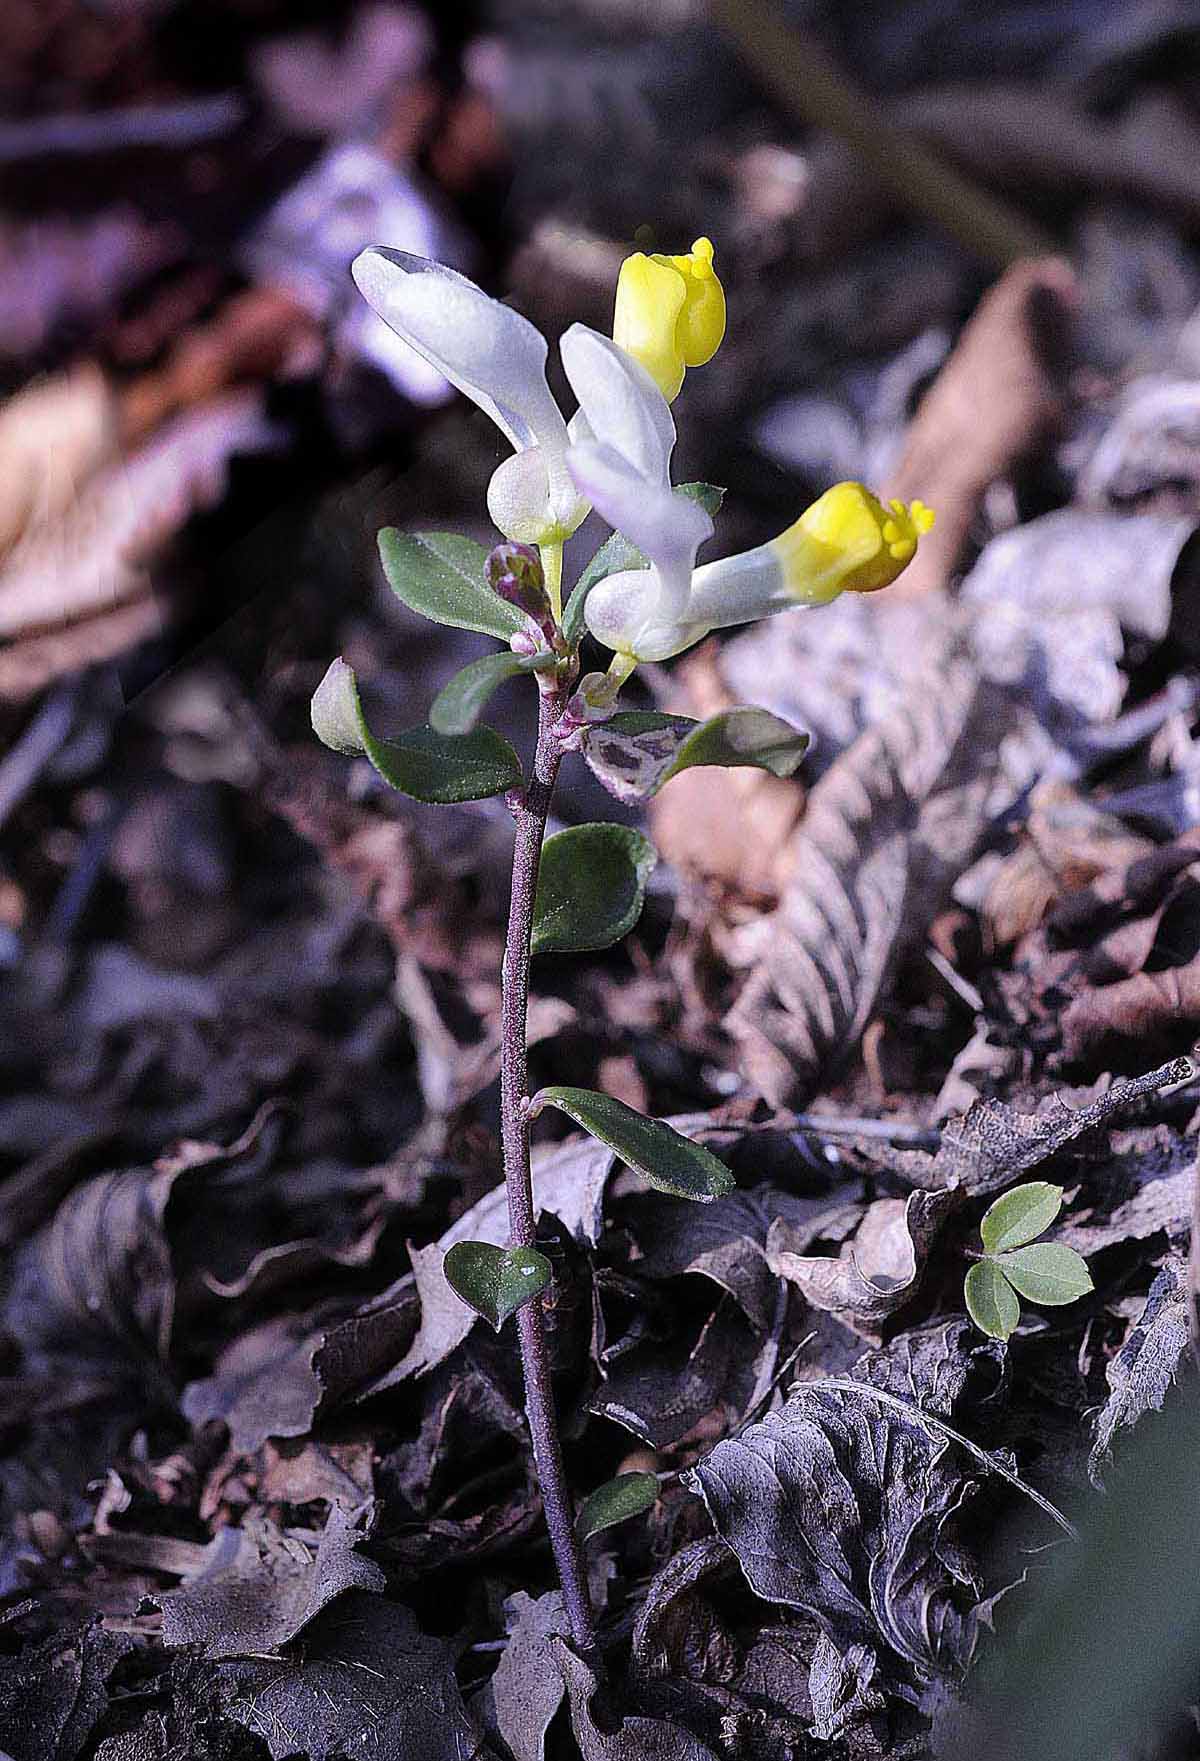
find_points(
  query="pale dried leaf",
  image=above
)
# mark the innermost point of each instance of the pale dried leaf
(889, 828)
(1141, 1374)
(91, 556)
(568, 1180)
(876, 1273)
(840, 1686)
(258, 1589)
(636, 1738)
(843, 1507)
(55, 434)
(527, 1688)
(1054, 597)
(992, 1143)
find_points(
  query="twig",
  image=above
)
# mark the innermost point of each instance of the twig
(921, 1137)
(807, 81)
(140, 125)
(962, 987)
(532, 811)
(42, 738)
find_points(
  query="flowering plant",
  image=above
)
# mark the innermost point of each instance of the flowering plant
(642, 597)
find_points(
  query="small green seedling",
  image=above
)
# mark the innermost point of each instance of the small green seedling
(1046, 1272)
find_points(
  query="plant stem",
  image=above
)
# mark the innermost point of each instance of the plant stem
(531, 817)
(552, 567)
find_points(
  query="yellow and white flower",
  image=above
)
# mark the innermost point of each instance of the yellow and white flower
(846, 542)
(615, 453)
(670, 314)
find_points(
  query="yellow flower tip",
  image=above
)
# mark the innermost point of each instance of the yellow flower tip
(670, 313)
(849, 542)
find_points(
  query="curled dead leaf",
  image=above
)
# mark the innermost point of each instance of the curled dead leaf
(876, 1273)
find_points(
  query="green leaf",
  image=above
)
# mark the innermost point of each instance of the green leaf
(990, 1300)
(1020, 1215)
(669, 1161)
(1047, 1273)
(440, 575)
(635, 752)
(591, 887)
(709, 495)
(625, 1496)
(459, 705)
(616, 554)
(421, 763)
(495, 1281)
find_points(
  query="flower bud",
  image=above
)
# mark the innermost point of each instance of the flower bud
(514, 572)
(670, 313)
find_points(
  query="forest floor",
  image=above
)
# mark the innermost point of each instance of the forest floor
(267, 1489)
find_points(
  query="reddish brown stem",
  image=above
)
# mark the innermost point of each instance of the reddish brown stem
(531, 812)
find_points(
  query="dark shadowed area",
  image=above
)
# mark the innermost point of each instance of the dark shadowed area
(877, 1455)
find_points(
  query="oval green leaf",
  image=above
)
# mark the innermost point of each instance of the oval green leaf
(495, 1281)
(419, 762)
(990, 1300)
(1020, 1215)
(617, 554)
(625, 1496)
(1048, 1273)
(440, 575)
(591, 887)
(636, 752)
(459, 705)
(669, 1161)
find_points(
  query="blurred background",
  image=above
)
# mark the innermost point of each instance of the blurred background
(961, 249)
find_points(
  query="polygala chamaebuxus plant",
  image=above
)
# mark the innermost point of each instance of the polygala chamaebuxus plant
(641, 597)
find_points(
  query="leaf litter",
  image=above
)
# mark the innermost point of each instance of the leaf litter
(266, 1483)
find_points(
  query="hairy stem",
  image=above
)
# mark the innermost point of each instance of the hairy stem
(531, 817)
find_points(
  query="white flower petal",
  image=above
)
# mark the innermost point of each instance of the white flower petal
(668, 528)
(738, 589)
(619, 402)
(492, 354)
(524, 502)
(626, 613)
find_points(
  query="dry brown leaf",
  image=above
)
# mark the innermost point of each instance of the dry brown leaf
(1066, 843)
(28, 666)
(55, 434)
(734, 834)
(90, 558)
(1054, 599)
(992, 1143)
(74, 588)
(879, 1270)
(998, 395)
(889, 829)
(1151, 1356)
(1115, 969)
